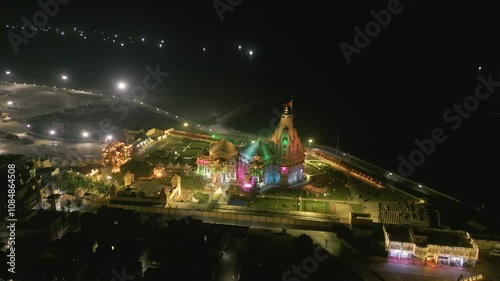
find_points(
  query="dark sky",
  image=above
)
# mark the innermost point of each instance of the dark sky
(393, 92)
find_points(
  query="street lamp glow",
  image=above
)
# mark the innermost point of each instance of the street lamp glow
(310, 141)
(52, 132)
(109, 137)
(9, 102)
(239, 47)
(251, 53)
(64, 77)
(204, 49)
(85, 134)
(186, 124)
(7, 72)
(143, 39)
(122, 85)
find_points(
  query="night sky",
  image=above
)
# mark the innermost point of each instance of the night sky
(394, 91)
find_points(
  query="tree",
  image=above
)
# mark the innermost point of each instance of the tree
(71, 182)
(138, 168)
(101, 188)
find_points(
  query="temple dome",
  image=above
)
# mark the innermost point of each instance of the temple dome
(223, 147)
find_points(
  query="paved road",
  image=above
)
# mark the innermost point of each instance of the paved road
(230, 267)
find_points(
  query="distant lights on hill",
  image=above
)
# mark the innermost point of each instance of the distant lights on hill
(106, 37)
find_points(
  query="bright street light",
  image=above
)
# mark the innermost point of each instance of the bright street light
(122, 85)
(85, 134)
(186, 124)
(239, 47)
(52, 132)
(9, 102)
(109, 137)
(310, 141)
(251, 53)
(65, 78)
(7, 72)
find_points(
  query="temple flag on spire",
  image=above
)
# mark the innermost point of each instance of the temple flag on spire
(289, 104)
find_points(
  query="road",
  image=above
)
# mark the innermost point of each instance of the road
(230, 267)
(278, 213)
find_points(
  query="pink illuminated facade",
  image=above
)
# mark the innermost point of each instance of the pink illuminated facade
(220, 163)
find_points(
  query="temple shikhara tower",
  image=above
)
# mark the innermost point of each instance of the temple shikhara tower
(278, 161)
(288, 151)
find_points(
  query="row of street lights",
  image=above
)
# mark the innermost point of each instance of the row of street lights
(121, 86)
(63, 77)
(85, 134)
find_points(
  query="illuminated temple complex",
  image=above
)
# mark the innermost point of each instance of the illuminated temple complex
(278, 161)
(220, 162)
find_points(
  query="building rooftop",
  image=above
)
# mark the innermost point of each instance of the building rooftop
(448, 238)
(452, 238)
(223, 146)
